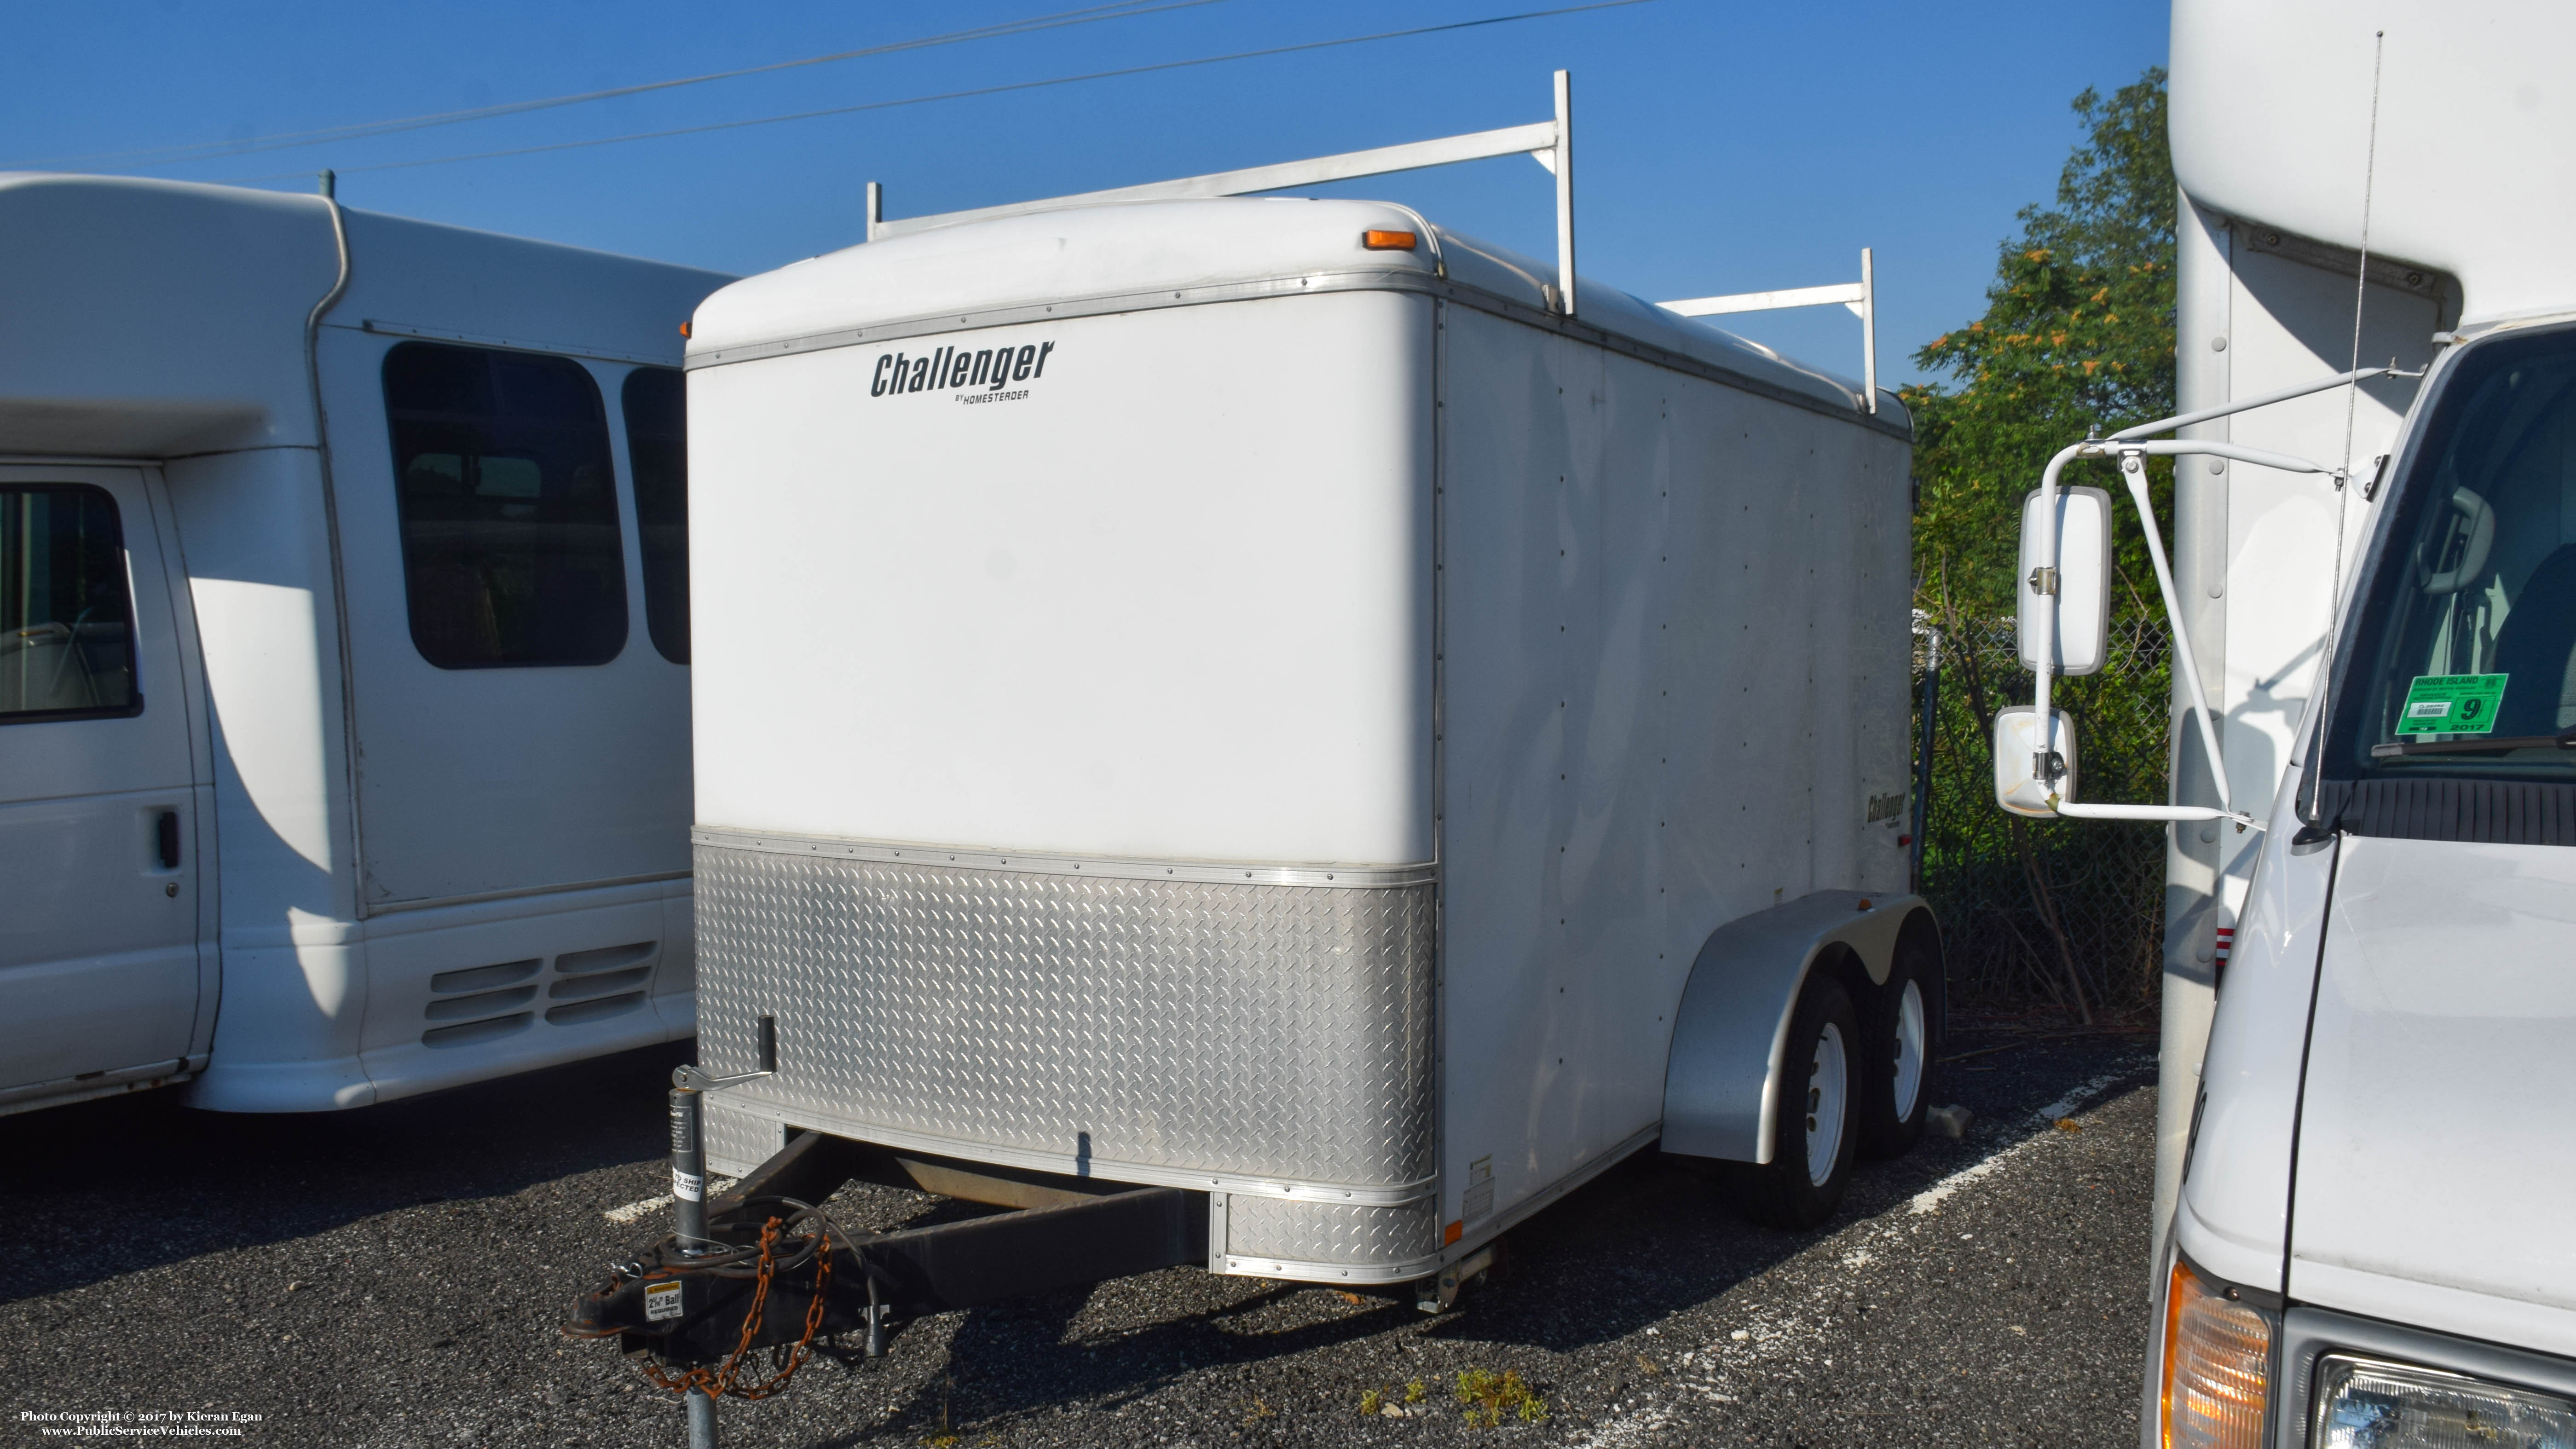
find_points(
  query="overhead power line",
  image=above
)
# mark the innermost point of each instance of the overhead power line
(288, 140)
(965, 94)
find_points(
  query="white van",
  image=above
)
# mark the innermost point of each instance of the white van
(2363, 1186)
(344, 644)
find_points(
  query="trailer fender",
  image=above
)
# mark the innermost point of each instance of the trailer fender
(1722, 1075)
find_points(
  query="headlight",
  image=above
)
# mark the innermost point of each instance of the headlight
(2218, 1367)
(2365, 1404)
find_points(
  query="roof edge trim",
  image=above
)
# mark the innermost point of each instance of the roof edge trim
(1369, 280)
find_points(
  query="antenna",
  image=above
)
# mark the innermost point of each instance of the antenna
(2361, 272)
(2343, 492)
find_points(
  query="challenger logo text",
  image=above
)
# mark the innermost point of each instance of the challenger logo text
(984, 375)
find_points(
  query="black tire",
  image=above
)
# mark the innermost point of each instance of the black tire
(1803, 1182)
(1903, 1036)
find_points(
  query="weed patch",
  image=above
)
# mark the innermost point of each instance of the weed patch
(1488, 1396)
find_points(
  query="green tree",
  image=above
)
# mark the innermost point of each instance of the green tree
(2078, 335)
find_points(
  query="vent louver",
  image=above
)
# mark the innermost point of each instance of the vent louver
(480, 1003)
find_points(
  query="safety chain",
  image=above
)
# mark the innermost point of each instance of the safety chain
(716, 1383)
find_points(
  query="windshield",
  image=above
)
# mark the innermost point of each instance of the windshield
(2463, 661)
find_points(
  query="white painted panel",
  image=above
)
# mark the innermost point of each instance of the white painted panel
(480, 780)
(145, 318)
(259, 570)
(1510, 671)
(294, 983)
(2272, 120)
(295, 994)
(2433, 1143)
(323, 1014)
(1618, 609)
(536, 294)
(1675, 659)
(1168, 598)
(2239, 1188)
(98, 944)
(2292, 323)
(594, 950)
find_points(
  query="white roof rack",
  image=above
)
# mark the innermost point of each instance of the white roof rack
(1550, 142)
(1860, 297)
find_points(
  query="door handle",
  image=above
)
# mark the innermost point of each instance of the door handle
(167, 831)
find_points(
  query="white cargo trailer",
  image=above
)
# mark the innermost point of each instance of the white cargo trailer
(343, 646)
(1252, 698)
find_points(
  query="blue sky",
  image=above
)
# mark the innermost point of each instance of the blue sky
(1720, 146)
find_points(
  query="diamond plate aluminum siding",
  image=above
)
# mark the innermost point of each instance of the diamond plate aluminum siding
(1272, 1031)
(737, 1142)
(1285, 1230)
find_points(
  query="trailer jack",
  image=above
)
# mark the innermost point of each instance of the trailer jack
(1439, 1294)
(768, 1270)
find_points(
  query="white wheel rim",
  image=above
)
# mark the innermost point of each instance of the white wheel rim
(1827, 1083)
(1909, 1049)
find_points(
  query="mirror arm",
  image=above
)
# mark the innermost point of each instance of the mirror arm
(2323, 384)
(2133, 468)
(2076, 810)
(2133, 451)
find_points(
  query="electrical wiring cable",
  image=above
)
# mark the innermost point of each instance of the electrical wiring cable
(961, 95)
(288, 140)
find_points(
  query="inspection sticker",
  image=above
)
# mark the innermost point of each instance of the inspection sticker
(2452, 704)
(661, 1300)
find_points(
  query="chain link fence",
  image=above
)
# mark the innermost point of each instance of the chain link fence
(2062, 911)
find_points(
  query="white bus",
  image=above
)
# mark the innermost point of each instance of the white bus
(344, 643)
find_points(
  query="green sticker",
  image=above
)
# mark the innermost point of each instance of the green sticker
(2452, 704)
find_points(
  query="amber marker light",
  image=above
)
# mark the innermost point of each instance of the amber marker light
(2217, 1373)
(684, 329)
(1388, 241)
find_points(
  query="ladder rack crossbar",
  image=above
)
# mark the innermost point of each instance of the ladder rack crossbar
(1847, 293)
(1412, 156)
(1860, 297)
(1551, 141)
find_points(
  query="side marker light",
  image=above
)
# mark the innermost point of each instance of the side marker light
(2217, 1370)
(1388, 241)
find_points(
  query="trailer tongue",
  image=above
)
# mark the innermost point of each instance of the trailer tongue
(772, 1271)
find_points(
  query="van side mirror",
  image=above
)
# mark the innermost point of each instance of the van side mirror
(2020, 786)
(2077, 584)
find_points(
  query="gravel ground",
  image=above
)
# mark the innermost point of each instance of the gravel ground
(395, 1277)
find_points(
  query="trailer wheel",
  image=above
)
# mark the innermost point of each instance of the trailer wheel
(1904, 1037)
(1813, 1141)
